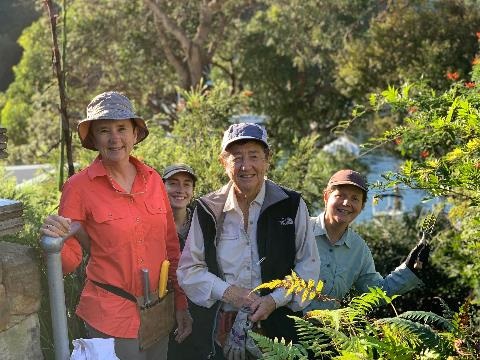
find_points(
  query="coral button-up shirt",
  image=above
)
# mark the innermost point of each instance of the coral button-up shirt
(127, 232)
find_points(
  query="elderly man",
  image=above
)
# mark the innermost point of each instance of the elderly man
(248, 232)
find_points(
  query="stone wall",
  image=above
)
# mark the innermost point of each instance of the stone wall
(19, 303)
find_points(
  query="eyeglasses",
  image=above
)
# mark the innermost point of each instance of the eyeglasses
(123, 192)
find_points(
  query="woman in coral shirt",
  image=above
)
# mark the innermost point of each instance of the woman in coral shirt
(127, 226)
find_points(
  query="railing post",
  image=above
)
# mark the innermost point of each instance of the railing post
(52, 247)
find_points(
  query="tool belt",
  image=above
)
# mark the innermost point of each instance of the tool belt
(156, 320)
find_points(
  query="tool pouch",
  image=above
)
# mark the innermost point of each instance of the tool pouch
(156, 320)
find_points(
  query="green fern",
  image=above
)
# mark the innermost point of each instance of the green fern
(427, 337)
(350, 333)
(429, 318)
(278, 349)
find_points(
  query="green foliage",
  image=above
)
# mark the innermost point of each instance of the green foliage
(411, 40)
(14, 16)
(439, 141)
(352, 333)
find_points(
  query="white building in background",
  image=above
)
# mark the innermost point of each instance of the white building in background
(248, 118)
(342, 143)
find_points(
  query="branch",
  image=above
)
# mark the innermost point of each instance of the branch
(177, 63)
(169, 25)
(56, 59)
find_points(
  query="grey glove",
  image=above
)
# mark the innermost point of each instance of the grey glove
(239, 346)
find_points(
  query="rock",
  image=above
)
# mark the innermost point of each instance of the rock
(22, 341)
(21, 278)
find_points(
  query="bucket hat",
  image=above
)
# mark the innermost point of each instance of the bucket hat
(348, 177)
(244, 131)
(110, 105)
(171, 170)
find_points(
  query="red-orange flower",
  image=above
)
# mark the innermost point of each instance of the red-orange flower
(247, 93)
(470, 84)
(477, 165)
(412, 109)
(398, 140)
(478, 35)
(476, 60)
(424, 154)
(453, 76)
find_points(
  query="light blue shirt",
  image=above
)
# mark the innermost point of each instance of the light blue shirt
(348, 264)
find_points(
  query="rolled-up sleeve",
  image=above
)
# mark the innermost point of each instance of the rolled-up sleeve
(307, 261)
(201, 286)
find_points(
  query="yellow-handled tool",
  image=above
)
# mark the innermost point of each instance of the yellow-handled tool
(162, 282)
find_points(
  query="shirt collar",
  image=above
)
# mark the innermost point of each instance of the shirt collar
(319, 229)
(232, 203)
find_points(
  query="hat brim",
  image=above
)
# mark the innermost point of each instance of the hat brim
(346, 182)
(240, 138)
(83, 128)
(177, 171)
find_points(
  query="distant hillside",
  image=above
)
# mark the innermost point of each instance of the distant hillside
(15, 15)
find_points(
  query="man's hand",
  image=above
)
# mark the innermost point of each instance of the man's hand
(184, 325)
(239, 297)
(262, 308)
(418, 255)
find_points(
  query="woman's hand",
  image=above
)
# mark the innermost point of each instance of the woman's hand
(59, 226)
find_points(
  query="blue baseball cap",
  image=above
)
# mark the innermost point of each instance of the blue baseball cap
(244, 131)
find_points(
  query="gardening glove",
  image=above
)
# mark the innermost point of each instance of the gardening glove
(418, 257)
(239, 346)
(234, 348)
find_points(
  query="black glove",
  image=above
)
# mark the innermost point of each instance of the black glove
(418, 257)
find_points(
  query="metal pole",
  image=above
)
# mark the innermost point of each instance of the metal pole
(52, 247)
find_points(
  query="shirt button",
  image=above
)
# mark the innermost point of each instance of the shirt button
(330, 250)
(140, 260)
(250, 222)
(131, 199)
(328, 265)
(138, 219)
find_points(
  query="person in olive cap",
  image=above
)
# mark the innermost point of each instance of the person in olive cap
(248, 232)
(346, 260)
(126, 225)
(180, 182)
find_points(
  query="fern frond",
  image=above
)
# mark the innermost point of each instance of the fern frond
(446, 311)
(429, 318)
(428, 339)
(278, 349)
(293, 284)
(333, 318)
(361, 305)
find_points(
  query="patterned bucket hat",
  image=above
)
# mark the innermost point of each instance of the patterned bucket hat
(109, 105)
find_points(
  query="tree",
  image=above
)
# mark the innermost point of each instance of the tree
(189, 33)
(409, 41)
